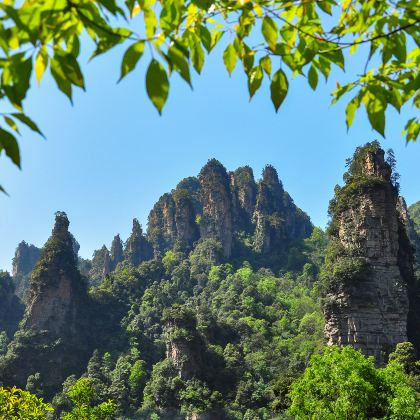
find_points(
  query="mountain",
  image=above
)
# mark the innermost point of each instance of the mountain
(216, 308)
(369, 272)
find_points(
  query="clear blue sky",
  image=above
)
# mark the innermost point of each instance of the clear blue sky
(110, 156)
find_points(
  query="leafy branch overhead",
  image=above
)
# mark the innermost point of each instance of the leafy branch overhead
(275, 39)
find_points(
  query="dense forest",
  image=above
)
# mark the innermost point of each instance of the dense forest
(230, 305)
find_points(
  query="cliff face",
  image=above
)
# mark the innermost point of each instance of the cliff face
(11, 308)
(277, 219)
(162, 227)
(25, 259)
(368, 270)
(117, 252)
(216, 221)
(184, 347)
(244, 196)
(137, 247)
(52, 338)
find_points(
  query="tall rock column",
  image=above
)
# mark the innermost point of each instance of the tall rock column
(137, 247)
(216, 222)
(367, 288)
(52, 338)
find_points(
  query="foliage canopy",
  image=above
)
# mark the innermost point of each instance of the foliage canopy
(278, 40)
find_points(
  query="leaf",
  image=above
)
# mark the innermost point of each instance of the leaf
(279, 87)
(254, 80)
(180, 63)
(229, 58)
(150, 22)
(9, 144)
(11, 123)
(41, 63)
(350, 112)
(60, 78)
(313, 77)
(157, 84)
(265, 63)
(197, 52)
(131, 57)
(71, 69)
(376, 113)
(270, 31)
(28, 122)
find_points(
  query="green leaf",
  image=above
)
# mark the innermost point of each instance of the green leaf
(41, 63)
(11, 123)
(350, 111)
(265, 63)
(197, 52)
(254, 80)
(131, 57)
(376, 113)
(313, 77)
(157, 84)
(150, 22)
(270, 32)
(60, 78)
(180, 63)
(9, 144)
(28, 122)
(229, 58)
(205, 37)
(279, 87)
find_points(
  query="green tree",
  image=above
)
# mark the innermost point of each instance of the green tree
(82, 395)
(343, 384)
(274, 40)
(18, 404)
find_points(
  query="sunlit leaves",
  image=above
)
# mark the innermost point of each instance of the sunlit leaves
(313, 77)
(229, 58)
(157, 84)
(41, 63)
(270, 31)
(131, 57)
(279, 87)
(382, 39)
(375, 107)
(254, 80)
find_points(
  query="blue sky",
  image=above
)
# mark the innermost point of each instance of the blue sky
(110, 156)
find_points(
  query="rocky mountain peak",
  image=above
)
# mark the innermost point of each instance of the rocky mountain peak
(368, 273)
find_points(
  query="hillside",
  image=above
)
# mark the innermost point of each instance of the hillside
(217, 308)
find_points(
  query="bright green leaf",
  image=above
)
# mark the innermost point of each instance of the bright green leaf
(313, 77)
(279, 87)
(157, 84)
(131, 57)
(270, 32)
(254, 80)
(229, 58)
(41, 63)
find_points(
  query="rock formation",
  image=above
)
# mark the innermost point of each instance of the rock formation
(184, 346)
(244, 196)
(100, 265)
(23, 263)
(216, 221)
(11, 308)
(117, 252)
(368, 268)
(137, 247)
(277, 220)
(52, 339)
(162, 227)
(25, 259)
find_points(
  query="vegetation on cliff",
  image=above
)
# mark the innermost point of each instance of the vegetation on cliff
(216, 312)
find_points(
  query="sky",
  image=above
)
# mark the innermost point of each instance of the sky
(110, 156)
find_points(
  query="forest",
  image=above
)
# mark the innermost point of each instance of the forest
(230, 305)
